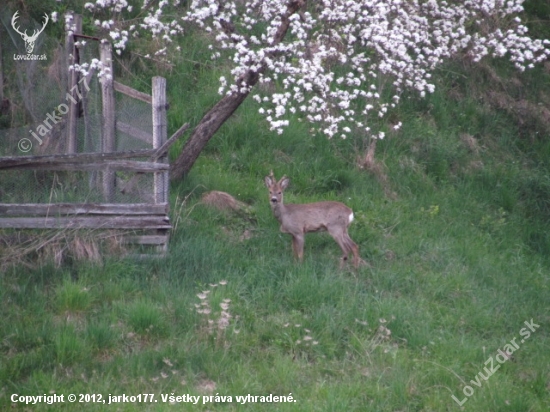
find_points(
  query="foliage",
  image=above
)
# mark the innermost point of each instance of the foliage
(343, 64)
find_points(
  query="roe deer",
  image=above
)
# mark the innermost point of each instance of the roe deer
(297, 220)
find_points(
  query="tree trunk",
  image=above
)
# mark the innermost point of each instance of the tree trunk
(204, 131)
(225, 108)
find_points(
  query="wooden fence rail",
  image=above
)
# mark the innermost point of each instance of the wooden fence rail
(81, 159)
(55, 209)
(110, 222)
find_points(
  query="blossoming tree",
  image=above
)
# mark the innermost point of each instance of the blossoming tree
(336, 63)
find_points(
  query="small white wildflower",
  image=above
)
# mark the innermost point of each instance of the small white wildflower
(223, 323)
(204, 311)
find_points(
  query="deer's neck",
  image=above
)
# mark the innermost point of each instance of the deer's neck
(278, 211)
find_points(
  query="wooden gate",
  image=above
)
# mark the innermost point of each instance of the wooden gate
(111, 172)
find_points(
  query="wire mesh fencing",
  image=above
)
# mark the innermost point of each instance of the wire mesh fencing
(35, 122)
(69, 135)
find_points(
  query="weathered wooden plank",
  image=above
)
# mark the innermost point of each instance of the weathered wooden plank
(108, 129)
(127, 90)
(134, 132)
(1, 78)
(126, 165)
(161, 180)
(55, 209)
(36, 162)
(74, 25)
(166, 145)
(83, 36)
(102, 222)
(111, 166)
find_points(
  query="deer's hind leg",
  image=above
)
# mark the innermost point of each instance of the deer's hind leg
(352, 247)
(340, 235)
(346, 244)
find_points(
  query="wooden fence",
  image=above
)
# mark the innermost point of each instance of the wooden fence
(150, 217)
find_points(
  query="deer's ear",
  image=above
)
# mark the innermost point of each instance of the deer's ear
(268, 181)
(284, 182)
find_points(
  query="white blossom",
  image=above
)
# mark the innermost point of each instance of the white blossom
(343, 63)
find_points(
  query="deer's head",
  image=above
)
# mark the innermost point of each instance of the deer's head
(29, 40)
(276, 188)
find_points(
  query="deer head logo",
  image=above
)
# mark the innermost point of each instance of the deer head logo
(29, 40)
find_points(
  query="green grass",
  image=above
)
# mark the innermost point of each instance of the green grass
(457, 262)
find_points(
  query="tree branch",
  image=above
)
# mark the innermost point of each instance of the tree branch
(223, 110)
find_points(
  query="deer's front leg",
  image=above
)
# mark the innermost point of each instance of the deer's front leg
(298, 246)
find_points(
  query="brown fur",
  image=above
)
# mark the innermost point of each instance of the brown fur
(297, 220)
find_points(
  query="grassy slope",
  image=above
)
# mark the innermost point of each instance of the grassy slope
(458, 261)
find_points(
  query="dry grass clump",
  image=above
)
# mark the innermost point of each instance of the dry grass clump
(369, 163)
(223, 201)
(33, 249)
(240, 214)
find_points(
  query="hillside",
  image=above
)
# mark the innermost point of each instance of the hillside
(453, 222)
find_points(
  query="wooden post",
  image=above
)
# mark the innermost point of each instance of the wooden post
(74, 25)
(160, 136)
(1, 78)
(109, 119)
(160, 132)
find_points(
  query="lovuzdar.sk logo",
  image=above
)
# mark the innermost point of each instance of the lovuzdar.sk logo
(29, 40)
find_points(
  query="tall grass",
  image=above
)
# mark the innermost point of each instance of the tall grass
(457, 262)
